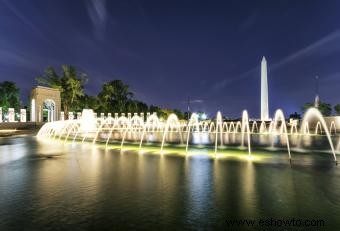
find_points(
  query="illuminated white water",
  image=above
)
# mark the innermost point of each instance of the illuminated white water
(279, 117)
(313, 112)
(217, 133)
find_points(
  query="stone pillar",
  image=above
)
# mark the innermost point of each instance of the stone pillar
(56, 113)
(23, 115)
(62, 116)
(109, 115)
(116, 116)
(40, 114)
(11, 115)
(33, 111)
(70, 115)
(142, 115)
(123, 114)
(129, 115)
(78, 115)
(102, 116)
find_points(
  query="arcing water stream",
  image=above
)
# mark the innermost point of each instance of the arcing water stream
(218, 133)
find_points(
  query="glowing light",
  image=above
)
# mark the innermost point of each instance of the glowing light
(87, 121)
(250, 157)
(7, 130)
(203, 116)
(175, 136)
(313, 112)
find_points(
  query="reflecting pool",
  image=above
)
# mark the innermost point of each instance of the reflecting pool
(77, 186)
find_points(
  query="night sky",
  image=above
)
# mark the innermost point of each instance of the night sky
(169, 50)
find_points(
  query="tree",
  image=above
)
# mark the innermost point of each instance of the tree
(88, 101)
(187, 115)
(9, 95)
(306, 106)
(324, 108)
(131, 106)
(73, 87)
(135, 106)
(70, 83)
(165, 113)
(295, 115)
(337, 109)
(142, 107)
(50, 79)
(115, 97)
(179, 113)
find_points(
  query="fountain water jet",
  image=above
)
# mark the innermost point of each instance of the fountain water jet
(318, 127)
(192, 122)
(152, 122)
(253, 127)
(129, 129)
(333, 127)
(245, 126)
(172, 120)
(279, 117)
(313, 112)
(218, 128)
(134, 121)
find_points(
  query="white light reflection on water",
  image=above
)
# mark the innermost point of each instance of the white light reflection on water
(12, 150)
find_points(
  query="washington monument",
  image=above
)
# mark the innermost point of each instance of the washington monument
(264, 91)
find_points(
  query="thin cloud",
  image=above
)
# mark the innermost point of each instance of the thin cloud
(225, 82)
(330, 80)
(97, 11)
(249, 21)
(326, 45)
(26, 21)
(194, 101)
(12, 58)
(197, 101)
(317, 47)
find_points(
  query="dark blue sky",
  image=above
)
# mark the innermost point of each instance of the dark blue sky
(169, 50)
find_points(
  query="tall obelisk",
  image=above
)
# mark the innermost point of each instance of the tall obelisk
(317, 99)
(264, 91)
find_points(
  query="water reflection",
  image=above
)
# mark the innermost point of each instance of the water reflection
(199, 187)
(14, 149)
(60, 185)
(248, 194)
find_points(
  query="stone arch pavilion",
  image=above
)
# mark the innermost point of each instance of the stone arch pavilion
(45, 104)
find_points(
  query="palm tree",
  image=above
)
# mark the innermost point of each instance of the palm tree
(9, 95)
(73, 85)
(70, 83)
(337, 109)
(115, 96)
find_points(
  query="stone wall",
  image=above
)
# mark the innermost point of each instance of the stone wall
(21, 126)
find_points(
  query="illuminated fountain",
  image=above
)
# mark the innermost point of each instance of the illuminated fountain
(217, 135)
